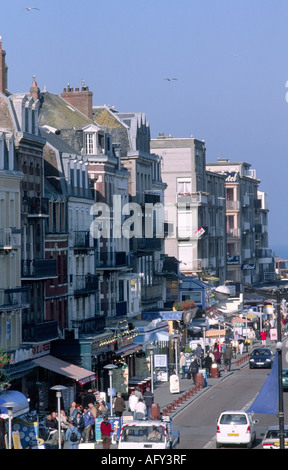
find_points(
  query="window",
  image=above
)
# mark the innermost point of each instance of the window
(89, 143)
(184, 185)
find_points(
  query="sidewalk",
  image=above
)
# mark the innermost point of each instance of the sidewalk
(188, 392)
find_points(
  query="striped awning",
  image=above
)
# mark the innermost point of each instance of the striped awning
(67, 369)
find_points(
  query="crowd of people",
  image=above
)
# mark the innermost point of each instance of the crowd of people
(202, 360)
(79, 425)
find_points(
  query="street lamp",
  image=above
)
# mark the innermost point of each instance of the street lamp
(280, 383)
(59, 389)
(151, 348)
(110, 368)
(176, 336)
(9, 405)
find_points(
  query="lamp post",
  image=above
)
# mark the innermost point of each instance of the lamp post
(176, 336)
(9, 405)
(151, 348)
(110, 368)
(59, 389)
(280, 383)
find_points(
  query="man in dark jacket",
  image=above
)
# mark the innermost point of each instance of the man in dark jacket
(193, 368)
(227, 357)
(148, 399)
(207, 363)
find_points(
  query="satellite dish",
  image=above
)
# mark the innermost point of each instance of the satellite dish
(222, 292)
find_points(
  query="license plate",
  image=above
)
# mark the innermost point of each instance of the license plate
(260, 363)
(233, 435)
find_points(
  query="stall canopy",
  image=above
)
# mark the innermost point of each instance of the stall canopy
(20, 403)
(81, 375)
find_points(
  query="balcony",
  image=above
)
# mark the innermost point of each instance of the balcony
(191, 198)
(110, 261)
(38, 332)
(16, 297)
(36, 206)
(38, 269)
(10, 239)
(85, 284)
(83, 241)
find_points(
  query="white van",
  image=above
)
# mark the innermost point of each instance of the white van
(237, 428)
(147, 434)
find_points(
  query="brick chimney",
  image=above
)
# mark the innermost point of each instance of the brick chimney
(3, 70)
(34, 90)
(80, 99)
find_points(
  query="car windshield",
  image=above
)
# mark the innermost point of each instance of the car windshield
(143, 433)
(261, 352)
(238, 418)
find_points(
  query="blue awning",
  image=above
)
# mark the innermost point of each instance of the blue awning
(21, 404)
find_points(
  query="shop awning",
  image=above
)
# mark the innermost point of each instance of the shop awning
(129, 349)
(20, 403)
(81, 375)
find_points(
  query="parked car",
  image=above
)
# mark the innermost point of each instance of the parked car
(285, 379)
(261, 358)
(236, 428)
(272, 440)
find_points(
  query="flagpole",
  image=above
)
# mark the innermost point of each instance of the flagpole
(280, 383)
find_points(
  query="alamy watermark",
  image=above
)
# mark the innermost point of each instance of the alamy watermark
(133, 220)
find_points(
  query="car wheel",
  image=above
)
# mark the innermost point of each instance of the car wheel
(249, 445)
(218, 445)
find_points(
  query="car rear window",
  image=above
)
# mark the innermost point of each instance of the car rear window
(233, 419)
(274, 434)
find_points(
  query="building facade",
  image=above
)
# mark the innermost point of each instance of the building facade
(194, 207)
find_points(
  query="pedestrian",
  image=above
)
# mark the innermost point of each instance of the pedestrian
(64, 420)
(138, 392)
(119, 404)
(89, 421)
(72, 409)
(78, 422)
(133, 399)
(103, 408)
(241, 345)
(106, 430)
(73, 435)
(217, 356)
(140, 409)
(149, 400)
(207, 363)
(263, 337)
(198, 350)
(227, 357)
(251, 337)
(193, 368)
(89, 397)
(182, 364)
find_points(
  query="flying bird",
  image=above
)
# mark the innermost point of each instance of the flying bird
(170, 79)
(31, 8)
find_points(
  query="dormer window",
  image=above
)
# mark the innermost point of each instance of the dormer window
(90, 143)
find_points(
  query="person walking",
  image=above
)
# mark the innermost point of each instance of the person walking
(182, 364)
(251, 337)
(88, 422)
(263, 337)
(140, 409)
(207, 363)
(227, 357)
(148, 399)
(133, 399)
(106, 430)
(119, 404)
(73, 435)
(78, 422)
(193, 368)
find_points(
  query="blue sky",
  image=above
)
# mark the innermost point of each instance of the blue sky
(229, 56)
